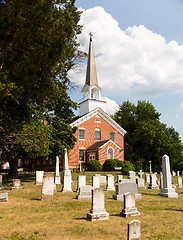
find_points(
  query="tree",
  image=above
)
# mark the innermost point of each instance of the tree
(147, 138)
(37, 49)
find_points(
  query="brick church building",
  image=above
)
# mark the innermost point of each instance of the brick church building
(98, 135)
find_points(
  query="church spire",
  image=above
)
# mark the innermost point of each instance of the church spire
(91, 73)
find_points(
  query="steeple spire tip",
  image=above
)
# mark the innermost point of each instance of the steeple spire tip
(91, 35)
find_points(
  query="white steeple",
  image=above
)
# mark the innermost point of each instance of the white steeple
(91, 91)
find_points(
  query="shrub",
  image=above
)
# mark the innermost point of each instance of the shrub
(127, 166)
(109, 165)
(119, 163)
(94, 165)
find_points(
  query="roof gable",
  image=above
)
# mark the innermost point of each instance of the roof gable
(102, 114)
(99, 145)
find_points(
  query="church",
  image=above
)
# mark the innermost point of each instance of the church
(98, 136)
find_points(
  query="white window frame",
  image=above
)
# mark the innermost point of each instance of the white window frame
(81, 149)
(82, 139)
(97, 130)
(108, 153)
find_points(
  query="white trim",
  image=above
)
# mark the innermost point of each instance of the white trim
(81, 148)
(108, 153)
(112, 142)
(103, 115)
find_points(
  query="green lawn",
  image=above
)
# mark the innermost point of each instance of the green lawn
(25, 216)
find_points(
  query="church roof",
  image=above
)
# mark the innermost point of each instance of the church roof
(102, 114)
(96, 145)
(91, 73)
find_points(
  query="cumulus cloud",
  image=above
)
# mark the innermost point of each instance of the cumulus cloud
(134, 62)
(111, 105)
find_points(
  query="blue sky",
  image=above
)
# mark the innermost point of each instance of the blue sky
(139, 53)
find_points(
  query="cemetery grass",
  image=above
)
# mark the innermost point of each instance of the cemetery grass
(25, 216)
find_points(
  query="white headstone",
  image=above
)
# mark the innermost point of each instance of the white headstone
(153, 182)
(81, 181)
(140, 174)
(96, 181)
(179, 181)
(129, 206)
(178, 173)
(102, 180)
(85, 192)
(48, 187)
(57, 174)
(134, 230)
(140, 183)
(16, 184)
(97, 211)
(39, 177)
(110, 183)
(1, 182)
(119, 178)
(67, 182)
(167, 190)
(3, 196)
(147, 178)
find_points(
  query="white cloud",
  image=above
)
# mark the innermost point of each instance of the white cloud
(111, 105)
(135, 62)
(182, 105)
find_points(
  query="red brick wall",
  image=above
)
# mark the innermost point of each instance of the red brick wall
(90, 126)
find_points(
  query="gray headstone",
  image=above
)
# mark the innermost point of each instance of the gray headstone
(97, 211)
(102, 180)
(85, 192)
(134, 230)
(167, 190)
(16, 184)
(110, 183)
(119, 178)
(123, 188)
(140, 183)
(129, 206)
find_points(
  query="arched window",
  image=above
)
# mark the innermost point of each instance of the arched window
(97, 134)
(110, 153)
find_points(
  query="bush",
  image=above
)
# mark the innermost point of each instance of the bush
(94, 165)
(127, 166)
(119, 163)
(110, 164)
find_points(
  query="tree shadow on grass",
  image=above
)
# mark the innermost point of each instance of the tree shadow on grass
(115, 215)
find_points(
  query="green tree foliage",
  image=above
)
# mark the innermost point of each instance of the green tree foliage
(94, 165)
(147, 138)
(37, 49)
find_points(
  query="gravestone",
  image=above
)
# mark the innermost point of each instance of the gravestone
(119, 178)
(125, 180)
(161, 180)
(48, 187)
(179, 181)
(167, 190)
(85, 192)
(140, 183)
(129, 206)
(132, 176)
(57, 174)
(67, 180)
(96, 181)
(141, 174)
(147, 178)
(134, 230)
(3, 196)
(81, 181)
(1, 182)
(16, 184)
(102, 180)
(123, 188)
(178, 173)
(153, 182)
(173, 173)
(97, 211)
(39, 177)
(110, 183)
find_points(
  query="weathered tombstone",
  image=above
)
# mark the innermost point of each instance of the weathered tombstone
(97, 211)
(110, 182)
(57, 174)
(132, 176)
(16, 184)
(85, 192)
(178, 173)
(39, 177)
(129, 206)
(3, 196)
(179, 181)
(102, 180)
(173, 173)
(123, 188)
(119, 178)
(153, 182)
(167, 190)
(81, 181)
(140, 174)
(134, 230)
(161, 180)
(48, 187)
(1, 182)
(140, 183)
(147, 178)
(125, 180)
(96, 181)
(67, 180)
